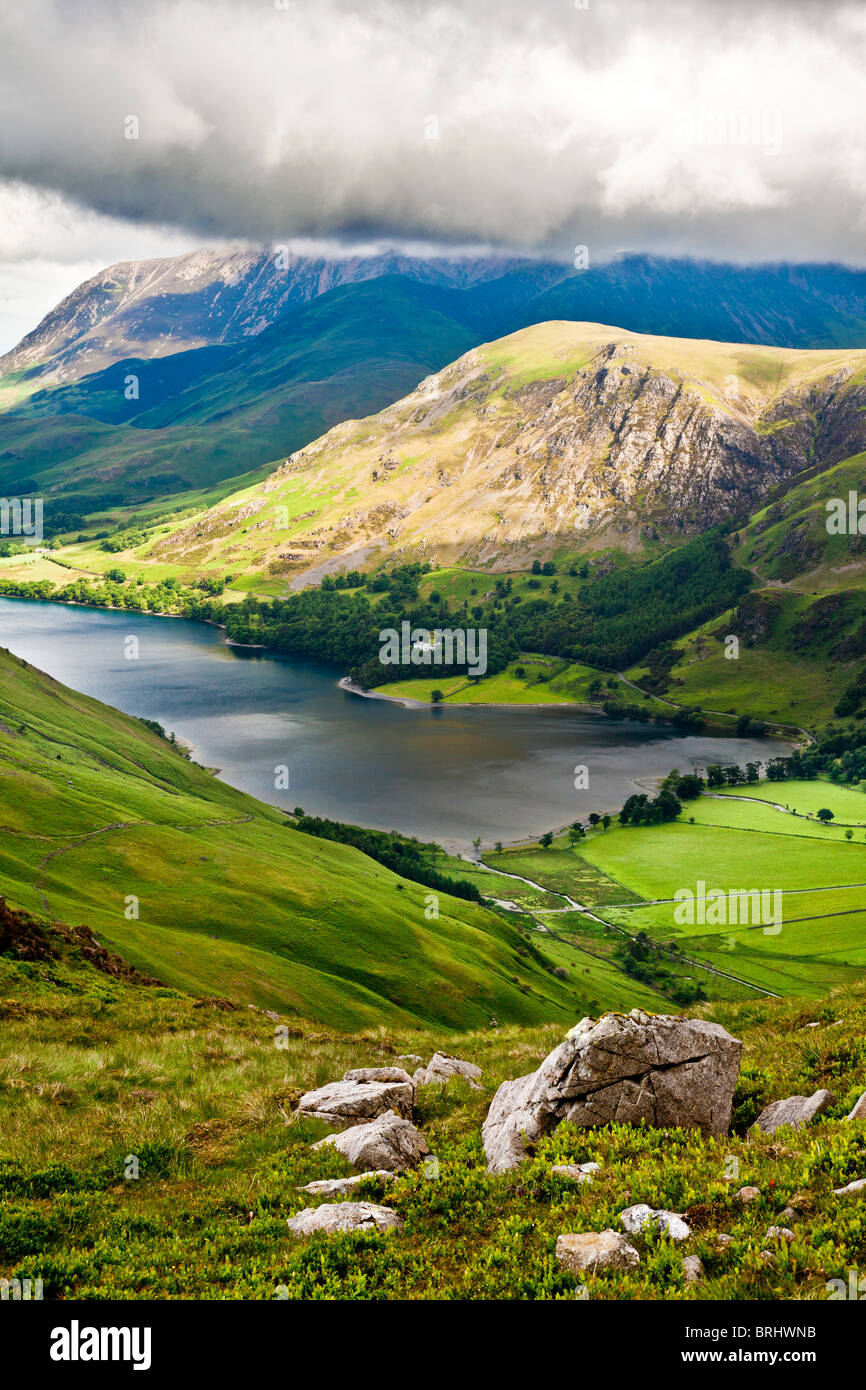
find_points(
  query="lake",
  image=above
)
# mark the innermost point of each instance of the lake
(447, 774)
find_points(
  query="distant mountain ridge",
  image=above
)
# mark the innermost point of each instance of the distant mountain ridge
(240, 357)
(153, 308)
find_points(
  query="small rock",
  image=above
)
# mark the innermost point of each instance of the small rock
(594, 1250)
(143, 1096)
(789, 1215)
(331, 1217)
(336, 1187)
(575, 1172)
(747, 1194)
(859, 1111)
(693, 1269)
(795, 1111)
(390, 1141)
(856, 1186)
(779, 1233)
(409, 1057)
(636, 1218)
(442, 1068)
(723, 1239)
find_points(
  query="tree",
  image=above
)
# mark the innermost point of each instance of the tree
(476, 844)
(436, 696)
(498, 846)
(594, 818)
(605, 820)
(825, 814)
(546, 840)
(849, 834)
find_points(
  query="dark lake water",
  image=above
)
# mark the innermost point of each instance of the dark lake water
(447, 774)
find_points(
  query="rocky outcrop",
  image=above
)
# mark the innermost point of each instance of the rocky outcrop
(390, 1142)
(361, 1095)
(589, 1251)
(442, 1068)
(332, 1217)
(795, 1111)
(660, 1069)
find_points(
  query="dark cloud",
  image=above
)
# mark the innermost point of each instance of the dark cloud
(728, 129)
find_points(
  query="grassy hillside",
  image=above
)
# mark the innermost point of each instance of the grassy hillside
(96, 1069)
(102, 818)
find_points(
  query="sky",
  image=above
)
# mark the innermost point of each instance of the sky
(725, 129)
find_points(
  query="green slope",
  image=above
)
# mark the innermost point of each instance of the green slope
(97, 810)
(218, 412)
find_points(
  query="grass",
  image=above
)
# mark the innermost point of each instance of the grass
(213, 892)
(95, 1070)
(547, 680)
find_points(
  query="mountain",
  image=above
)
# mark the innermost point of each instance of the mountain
(107, 824)
(162, 378)
(146, 309)
(218, 412)
(561, 435)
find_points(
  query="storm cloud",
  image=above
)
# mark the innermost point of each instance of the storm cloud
(731, 130)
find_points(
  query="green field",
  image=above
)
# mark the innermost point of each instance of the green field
(547, 680)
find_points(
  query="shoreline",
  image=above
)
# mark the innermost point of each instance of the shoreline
(346, 684)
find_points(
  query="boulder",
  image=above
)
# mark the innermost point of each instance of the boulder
(594, 1250)
(360, 1096)
(858, 1185)
(795, 1111)
(636, 1219)
(747, 1195)
(658, 1068)
(779, 1233)
(859, 1111)
(575, 1172)
(693, 1269)
(379, 1074)
(337, 1187)
(390, 1142)
(332, 1217)
(442, 1068)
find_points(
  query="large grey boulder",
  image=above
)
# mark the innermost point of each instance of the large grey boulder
(442, 1068)
(795, 1111)
(592, 1250)
(361, 1095)
(390, 1142)
(623, 1068)
(332, 1217)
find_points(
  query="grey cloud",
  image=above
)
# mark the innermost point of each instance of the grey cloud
(728, 129)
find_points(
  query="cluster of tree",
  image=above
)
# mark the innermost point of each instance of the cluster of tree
(640, 810)
(405, 856)
(643, 960)
(619, 617)
(732, 775)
